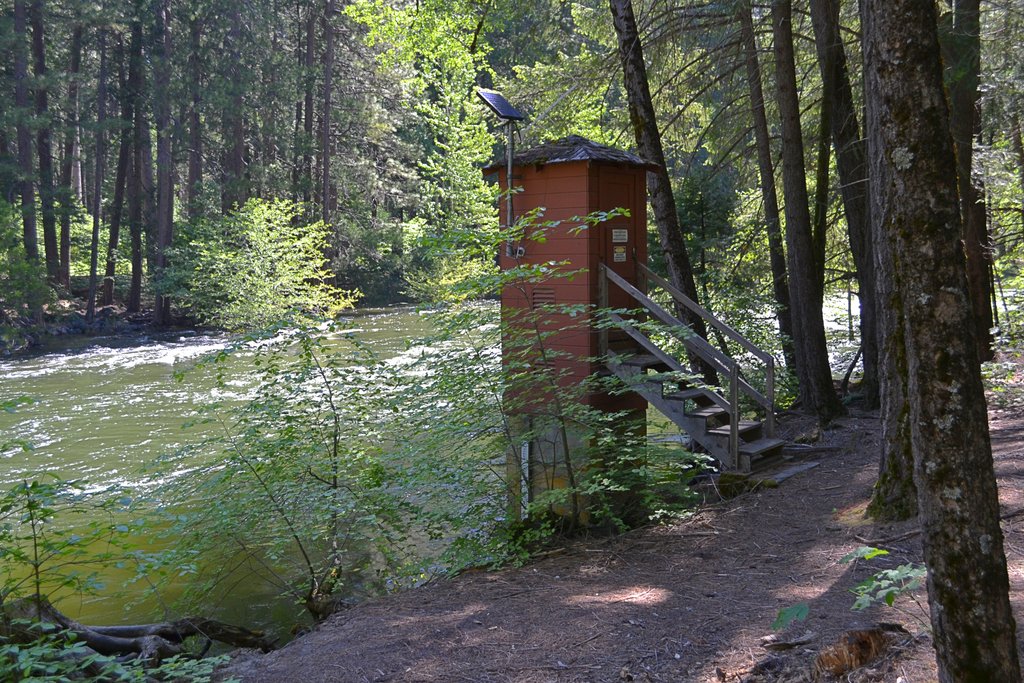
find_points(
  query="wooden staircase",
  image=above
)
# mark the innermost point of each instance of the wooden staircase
(711, 416)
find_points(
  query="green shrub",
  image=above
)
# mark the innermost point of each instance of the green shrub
(252, 268)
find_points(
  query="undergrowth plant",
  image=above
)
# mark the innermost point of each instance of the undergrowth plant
(888, 586)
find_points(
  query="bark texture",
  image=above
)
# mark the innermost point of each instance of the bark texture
(195, 124)
(21, 102)
(97, 193)
(124, 158)
(851, 163)
(68, 162)
(136, 180)
(164, 159)
(769, 193)
(974, 631)
(235, 192)
(961, 50)
(325, 131)
(648, 142)
(44, 146)
(816, 389)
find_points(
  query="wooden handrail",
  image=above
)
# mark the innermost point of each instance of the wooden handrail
(652, 348)
(695, 344)
(706, 314)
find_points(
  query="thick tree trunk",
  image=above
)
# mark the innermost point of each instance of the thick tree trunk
(68, 196)
(851, 163)
(44, 147)
(124, 157)
(895, 495)
(195, 124)
(136, 180)
(97, 194)
(22, 104)
(816, 388)
(325, 132)
(776, 254)
(961, 49)
(648, 142)
(973, 626)
(164, 158)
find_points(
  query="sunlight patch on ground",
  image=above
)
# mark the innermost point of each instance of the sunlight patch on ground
(853, 515)
(634, 595)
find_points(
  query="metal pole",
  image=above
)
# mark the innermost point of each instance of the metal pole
(508, 183)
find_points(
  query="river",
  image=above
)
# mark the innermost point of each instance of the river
(105, 409)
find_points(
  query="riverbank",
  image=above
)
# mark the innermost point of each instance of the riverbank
(67, 319)
(692, 601)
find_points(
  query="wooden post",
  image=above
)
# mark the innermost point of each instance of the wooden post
(602, 303)
(734, 414)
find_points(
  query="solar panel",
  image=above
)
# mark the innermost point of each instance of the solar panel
(500, 106)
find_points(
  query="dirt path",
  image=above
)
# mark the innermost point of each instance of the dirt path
(688, 602)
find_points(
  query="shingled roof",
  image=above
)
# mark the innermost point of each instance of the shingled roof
(572, 148)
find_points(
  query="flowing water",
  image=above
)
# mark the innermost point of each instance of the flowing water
(105, 409)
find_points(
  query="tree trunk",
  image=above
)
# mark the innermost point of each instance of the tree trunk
(1018, 149)
(164, 160)
(68, 196)
(195, 130)
(973, 625)
(961, 50)
(816, 389)
(776, 254)
(325, 135)
(124, 157)
(44, 147)
(97, 194)
(21, 103)
(851, 163)
(8, 178)
(648, 142)
(819, 224)
(308, 122)
(895, 495)
(234, 191)
(136, 181)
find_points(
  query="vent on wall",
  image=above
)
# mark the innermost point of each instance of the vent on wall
(543, 296)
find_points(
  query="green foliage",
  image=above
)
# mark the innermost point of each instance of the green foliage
(863, 553)
(57, 656)
(887, 585)
(791, 614)
(252, 268)
(439, 49)
(55, 537)
(23, 289)
(298, 485)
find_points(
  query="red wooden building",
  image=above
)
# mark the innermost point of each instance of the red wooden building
(555, 186)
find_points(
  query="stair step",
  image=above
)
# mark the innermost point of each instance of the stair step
(760, 446)
(644, 361)
(687, 395)
(709, 412)
(744, 426)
